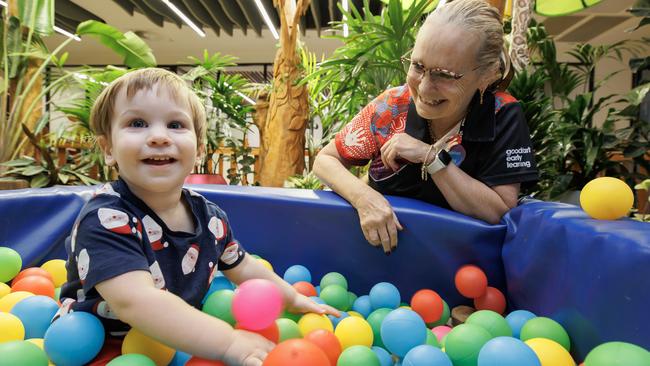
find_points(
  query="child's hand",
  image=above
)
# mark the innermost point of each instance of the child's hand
(303, 304)
(247, 349)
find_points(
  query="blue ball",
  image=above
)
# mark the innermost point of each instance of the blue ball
(507, 351)
(335, 320)
(362, 305)
(36, 313)
(180, 359)
(402, 330)
(74, 339)
(297, 273)
(385, 358)
(317, 290)
(218, 283)
(517, 319)
(426, 355)
(384, 295)
(318, 300)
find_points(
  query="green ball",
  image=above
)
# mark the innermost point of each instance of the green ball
(431, 339)
(358, 356)
(22, 353)
(491, 321)
(292, 316)
(352, 297)
(57, 293)
(333, 278)
(618, 354)
(132, 359)
(219, 304)
(444, 318)
(10, 264)
(288, 329)
(336, 296)
(464, 342)
(541, 327)
(375, 319)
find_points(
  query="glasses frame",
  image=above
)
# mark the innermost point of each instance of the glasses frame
(429, 71)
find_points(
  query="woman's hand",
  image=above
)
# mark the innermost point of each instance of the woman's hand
(302, 304)
(402, 146)
(378, 220)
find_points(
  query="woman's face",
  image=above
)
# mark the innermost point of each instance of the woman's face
(444, 47)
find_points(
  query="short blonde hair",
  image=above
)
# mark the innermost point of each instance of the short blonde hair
(134, 81)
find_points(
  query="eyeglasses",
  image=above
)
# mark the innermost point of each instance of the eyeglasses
(436, 74)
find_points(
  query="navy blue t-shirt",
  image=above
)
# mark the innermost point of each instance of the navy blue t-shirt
(116, 233)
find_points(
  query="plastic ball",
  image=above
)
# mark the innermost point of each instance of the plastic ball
(444, 318)
(464, 343)
(354, 313)
(257, 304)
(4, 289)
(312, 321)
(8, 301)
(353, 331)
(507, 351)
(39, 342)
(384, 295)
(440, 331)
(297, 273)
(517, 319)
(336, 320)
(266, 264)
(11, 328)
(32, 271)
(550, 353)
(180, 358)
(36, 313)
(136, 342)
(10, 264)
(272, 333)
(358, 356)
(493, 299)
(305, 288)
(375, 319)
(133, 359)
(402, 330)
(432, 340)
(74, 339)
(219, 304)
(288, 329)
(494, 323)
(352, 297)
(198, 361)
(296, 352)
(22, 353)
(333, 278)
(56, 268)
(471, 281)
(328, 342)
(618, 354)
(218, 283)
(35, 284)
(362, 305)
(428, 304)
(606, 198)
(335, 296)
(542, 327)
(426, 355)
(385, 359)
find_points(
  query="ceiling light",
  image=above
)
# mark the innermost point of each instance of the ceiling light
(267, 19)
(184, 17)
(56, 29)
(346, 7)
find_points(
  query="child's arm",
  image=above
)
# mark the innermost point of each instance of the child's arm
(167, 318)
(251, 268)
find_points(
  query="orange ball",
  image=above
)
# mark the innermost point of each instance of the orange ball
(272, 332)
(33, 271)
(492, 300)
(198, 361)
(428, 304)
(471, 281)
(35, 284)
(305, 288)
(296, 352)
(328, 342)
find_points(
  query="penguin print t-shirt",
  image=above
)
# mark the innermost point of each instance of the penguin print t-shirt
(117, 233)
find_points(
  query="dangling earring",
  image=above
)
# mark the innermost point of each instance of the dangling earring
(482, 92)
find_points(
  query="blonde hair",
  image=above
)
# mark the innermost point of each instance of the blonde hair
(134, 81)
(484, 20)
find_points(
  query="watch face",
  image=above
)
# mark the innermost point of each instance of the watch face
(444, 157)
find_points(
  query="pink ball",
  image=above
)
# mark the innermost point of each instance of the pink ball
(440, 331)
(257, 304)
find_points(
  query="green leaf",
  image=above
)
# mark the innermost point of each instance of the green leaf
(644, 185)
(33, 170)
(39, 181)
(18, 162)
(37, 15)
(133, 49)
(63, 178)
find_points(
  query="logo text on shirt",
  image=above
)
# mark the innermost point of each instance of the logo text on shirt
(515, 158)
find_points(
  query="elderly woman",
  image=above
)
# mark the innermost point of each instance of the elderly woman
(446, 137)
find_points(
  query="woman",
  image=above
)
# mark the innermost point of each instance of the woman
(446, 137)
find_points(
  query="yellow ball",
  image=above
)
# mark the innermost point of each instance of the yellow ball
(353, 331)
(39, 343)
(4, 289)
(266, 263)
(354, 313)
(606, 198)
(8, 301)
(312, 321)
(56, 267)
(550, 353)
(11, 328)
(136, 342)
(405, 307)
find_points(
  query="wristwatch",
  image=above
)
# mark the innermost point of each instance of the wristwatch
(441, 161)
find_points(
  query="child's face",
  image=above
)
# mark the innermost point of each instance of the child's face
(153, 141)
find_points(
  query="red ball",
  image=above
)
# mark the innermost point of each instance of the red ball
(305, 288)
(33, 271)
(471, 281)
(328, 342)
(197, 361)
(272, 332)
(428, 304)
(35, 284)
(492, 300)
(296, 352)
